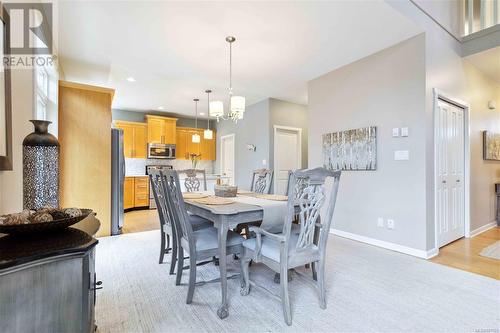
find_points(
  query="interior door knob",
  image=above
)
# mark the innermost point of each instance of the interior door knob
(444, 181)
(458, 180)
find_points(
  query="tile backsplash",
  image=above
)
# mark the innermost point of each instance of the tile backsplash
(137, 166)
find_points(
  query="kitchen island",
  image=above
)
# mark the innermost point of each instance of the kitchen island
(48, 281)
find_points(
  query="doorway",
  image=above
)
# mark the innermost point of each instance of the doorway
(287, 155)
(451, 161)
(227, 147)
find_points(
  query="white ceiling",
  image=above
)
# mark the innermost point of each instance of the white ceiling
(176, 50)
(488, 62)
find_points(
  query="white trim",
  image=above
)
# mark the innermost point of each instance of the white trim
(299, 154)
(222, 138)
(482, 229)
(386, 245)
(438, 94)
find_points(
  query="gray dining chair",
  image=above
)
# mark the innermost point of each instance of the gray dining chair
(288, 250)
(198, 244)
(261, 181)
(194, 179)
(167, 228)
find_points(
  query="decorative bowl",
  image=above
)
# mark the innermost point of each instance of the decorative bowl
(225, 191)
(39, 227)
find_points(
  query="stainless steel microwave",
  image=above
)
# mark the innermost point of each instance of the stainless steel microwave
(161, 151)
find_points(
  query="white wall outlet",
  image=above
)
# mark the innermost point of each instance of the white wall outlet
(264, 162)
(380, 222)
(402, 155)
(404, 132)
(395, 132)
(390, 224)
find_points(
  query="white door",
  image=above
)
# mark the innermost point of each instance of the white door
(287, 155)
(227, 157)
(450, 164)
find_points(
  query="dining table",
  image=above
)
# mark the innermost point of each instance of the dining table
(226, 217)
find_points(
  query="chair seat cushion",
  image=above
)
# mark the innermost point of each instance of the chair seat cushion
(198, 222)
(207, 239)
(271, 248)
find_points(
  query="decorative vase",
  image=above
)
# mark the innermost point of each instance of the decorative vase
(40, 168)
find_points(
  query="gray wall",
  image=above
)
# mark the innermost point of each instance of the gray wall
(253, 129)
(139, 117)
(447, 71)
(257, 129)
(386, 90)
(292, 115)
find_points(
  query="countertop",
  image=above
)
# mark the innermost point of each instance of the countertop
(22, 249)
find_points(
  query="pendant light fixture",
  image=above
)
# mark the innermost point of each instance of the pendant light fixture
(208, 133)
(196, 137)
(236, 103)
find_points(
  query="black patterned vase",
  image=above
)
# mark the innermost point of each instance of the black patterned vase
(40, 168)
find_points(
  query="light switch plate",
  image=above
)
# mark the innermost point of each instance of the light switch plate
(404, 131)
(264, 162)
(401, 155)
(380, 222)
(395, 132)
(390, 224)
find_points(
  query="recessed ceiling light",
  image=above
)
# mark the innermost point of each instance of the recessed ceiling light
(161, 108)
(130, 79)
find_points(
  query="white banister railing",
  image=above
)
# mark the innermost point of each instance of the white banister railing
(479, 15)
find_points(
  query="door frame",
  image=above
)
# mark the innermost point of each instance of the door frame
(299, 153)
(439, 95)
(222, 138)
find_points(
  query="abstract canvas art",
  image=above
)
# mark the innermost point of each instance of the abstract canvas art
(354, 149)
(491, 146)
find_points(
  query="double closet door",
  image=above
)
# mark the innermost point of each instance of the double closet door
(450, 164)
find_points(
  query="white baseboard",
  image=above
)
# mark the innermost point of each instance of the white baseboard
(386, 245)
(482, 229)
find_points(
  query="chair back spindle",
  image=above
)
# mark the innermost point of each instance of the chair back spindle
(261, 181)
(308, 189)
(160, 199)
(172, 188)
(194, 179)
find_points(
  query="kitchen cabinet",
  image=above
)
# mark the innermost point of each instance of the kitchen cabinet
(141, 191)
(134, 138)
(161, 129)
(136, 192)
(185, 146)
(128, 193)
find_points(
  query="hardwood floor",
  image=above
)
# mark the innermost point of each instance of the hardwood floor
(141, 220)
(464, 254)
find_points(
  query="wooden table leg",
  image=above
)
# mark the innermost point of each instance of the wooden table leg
(223, 312)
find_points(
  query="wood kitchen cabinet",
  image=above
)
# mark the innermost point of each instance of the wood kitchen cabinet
(185, 146)
(141, 191)
(161, 129)
(136, 192)
(134, 138)
(128, 193)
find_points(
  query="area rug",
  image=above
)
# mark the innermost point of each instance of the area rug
(491, 251)
(369, 289)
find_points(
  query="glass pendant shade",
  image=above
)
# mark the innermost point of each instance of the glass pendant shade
(238, 106)
(216, 109)
(195, 138)
(208, 134)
